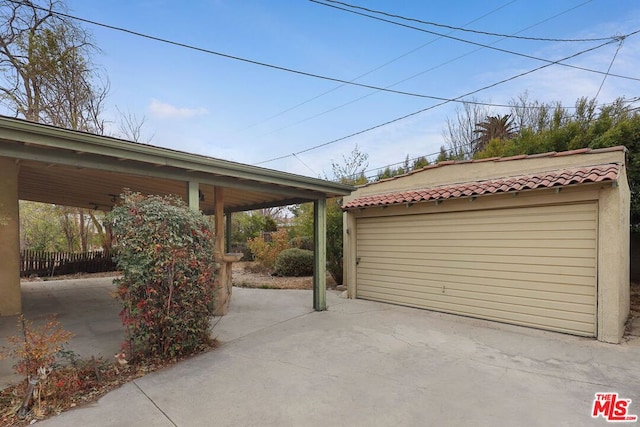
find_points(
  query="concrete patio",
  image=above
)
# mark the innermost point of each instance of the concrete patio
(359, 363)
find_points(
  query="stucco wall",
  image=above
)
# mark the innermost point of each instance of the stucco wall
(482, 170)
(613, 217)
(10, 302)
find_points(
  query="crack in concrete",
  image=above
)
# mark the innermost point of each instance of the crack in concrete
(154, 403)
(261, 329)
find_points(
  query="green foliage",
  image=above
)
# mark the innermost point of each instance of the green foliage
(266, 251)
(294, 262)
(407, 166)
(493, 127)
(612, 125)
(39, 227)
(334, 239)
(165, 253)
(302, 242)
(53, 228)
(303, 227)
(351, 170)
(248, 225)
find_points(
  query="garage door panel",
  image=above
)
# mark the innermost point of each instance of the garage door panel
(534, 266)
(581, 294)
(540, 302)
(404, 257)
(522, 235)
(454, 219)
(426, 271)
(507, 227)
(499, 309)
(463, 242)
(558, 266)
(513, 317)
(392, 251)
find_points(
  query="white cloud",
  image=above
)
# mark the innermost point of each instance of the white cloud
(164, 110)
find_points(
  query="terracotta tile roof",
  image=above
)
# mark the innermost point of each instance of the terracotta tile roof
(549, 179)
(506, 159)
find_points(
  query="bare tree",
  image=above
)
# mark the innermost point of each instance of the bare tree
(130, 126)
(46, 66)
(459, 133)
(351, 170)
(535, 116)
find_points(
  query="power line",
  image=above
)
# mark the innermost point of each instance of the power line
(456, 99)
(428, 70)
(263, 64)
(301, 161)
(228, 56)
(467, 144)
(524, 55)
(369, 72)
(451, 27)
(609, 69)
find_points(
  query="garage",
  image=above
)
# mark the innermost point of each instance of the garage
(483, 264)
(535, 241)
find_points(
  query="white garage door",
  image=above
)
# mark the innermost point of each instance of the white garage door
(532, 266)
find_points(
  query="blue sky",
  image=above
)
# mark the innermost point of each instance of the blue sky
(209, 105)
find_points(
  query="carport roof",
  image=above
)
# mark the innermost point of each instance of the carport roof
(84, 170)
(544, 179)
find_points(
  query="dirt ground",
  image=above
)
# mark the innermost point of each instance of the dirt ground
(247, 275)
(635, 298)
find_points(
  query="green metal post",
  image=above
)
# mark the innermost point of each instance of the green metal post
(320, 255)
(227, 234)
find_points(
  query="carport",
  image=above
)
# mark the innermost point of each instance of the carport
(540, 240)
(52, 165)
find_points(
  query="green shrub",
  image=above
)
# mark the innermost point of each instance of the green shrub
(165, 253)
(302, 242)
(294, 262)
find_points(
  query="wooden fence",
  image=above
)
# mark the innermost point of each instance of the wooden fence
(47, 264)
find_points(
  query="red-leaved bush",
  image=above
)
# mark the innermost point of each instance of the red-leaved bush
(165, 253)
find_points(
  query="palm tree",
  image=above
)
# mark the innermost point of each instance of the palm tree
(493, 127)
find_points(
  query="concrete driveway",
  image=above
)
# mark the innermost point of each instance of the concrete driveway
(369, 364)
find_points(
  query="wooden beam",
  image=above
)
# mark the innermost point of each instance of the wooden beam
(320, 255)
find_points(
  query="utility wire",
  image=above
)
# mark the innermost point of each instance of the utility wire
(367, 73)
(467, 144)
(301, 161)
(251, 61)
(609, 69)
(524, 55)
(225, 55)
(456, 99)
(429, 70)
(451, 27)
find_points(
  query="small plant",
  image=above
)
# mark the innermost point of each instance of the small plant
(36, 348)
(294, 262)
(266, 252)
